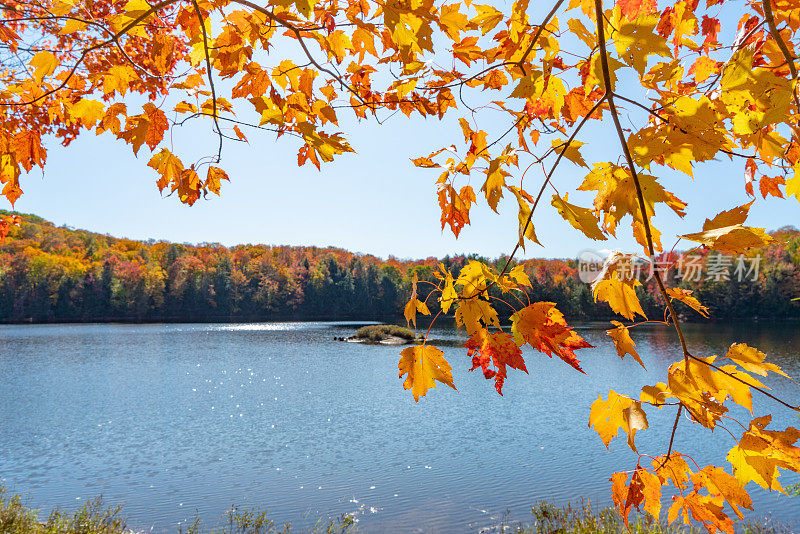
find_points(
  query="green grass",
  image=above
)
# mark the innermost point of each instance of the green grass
(92, 518)
(16, 517)
(378, 332)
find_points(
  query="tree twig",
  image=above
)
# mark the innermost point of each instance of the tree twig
(672, 436)
(598, 4)
(210, 78)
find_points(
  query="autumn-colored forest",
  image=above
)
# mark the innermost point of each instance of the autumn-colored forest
(50, 273)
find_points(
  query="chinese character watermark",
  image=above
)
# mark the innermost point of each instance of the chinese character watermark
(713, 267)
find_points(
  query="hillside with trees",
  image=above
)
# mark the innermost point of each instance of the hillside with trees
(60, 274)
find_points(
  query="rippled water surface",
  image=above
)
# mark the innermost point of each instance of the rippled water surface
(173, 419)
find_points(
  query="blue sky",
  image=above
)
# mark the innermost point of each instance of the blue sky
(374, 201)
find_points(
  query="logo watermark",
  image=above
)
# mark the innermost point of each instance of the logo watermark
(687, 267)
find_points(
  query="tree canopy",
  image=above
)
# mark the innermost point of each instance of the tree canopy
(58, 274)
(680, 84)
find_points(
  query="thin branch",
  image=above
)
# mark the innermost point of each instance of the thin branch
(210, 78)
(598, 4)
(548, 177)
(566, 145)
(773, 30)
(776, 35)
(428, 332)
(535, 37)
(672, 436)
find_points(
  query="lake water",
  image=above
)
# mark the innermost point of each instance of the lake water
(170, 420)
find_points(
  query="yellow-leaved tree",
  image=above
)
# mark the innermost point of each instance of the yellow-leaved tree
(134, 69)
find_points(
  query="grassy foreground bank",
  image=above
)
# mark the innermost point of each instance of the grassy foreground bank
(94, 517)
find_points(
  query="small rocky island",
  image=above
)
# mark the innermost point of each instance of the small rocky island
(383, 334)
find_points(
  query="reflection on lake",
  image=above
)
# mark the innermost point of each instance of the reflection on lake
(172, 419)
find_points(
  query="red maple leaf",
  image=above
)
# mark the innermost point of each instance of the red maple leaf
(496, 349)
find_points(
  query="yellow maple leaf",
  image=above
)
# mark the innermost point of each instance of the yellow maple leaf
(487, 18)
(580, 218)
(752, 359)
(424, 365)
(449, 294)
(655, 395)
(703, 390)
(726, 233)
(703, 68)
(474, 277)
(571, 152)
(685, 296)
(87, 111)
(72, 26)
(616, 284)
(452, 21)
(704, 508)
(168, 166)
(214, 177)
(414, 305)
(793, 184)
(519, 275)
(526, 229)
(623, 342)
(495, 180)
(720, 483)
(638, 39)
(617, 196)
(476, 314)
(620, 295)
(618, 412)
(673, 468)
(44, 64)
(760, 452)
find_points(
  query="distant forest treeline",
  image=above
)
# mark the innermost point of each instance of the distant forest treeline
(55, 274)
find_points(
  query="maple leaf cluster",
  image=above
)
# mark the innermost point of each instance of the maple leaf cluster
(139, 70)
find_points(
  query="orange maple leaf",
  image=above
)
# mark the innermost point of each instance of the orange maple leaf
(496, 349)
(543, 327)
(634, 8)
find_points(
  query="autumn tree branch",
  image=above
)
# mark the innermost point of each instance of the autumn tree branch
(598, 4)
(549, 175)
(536, 35)
(210, 78)
(672, 435)
(773, 30)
